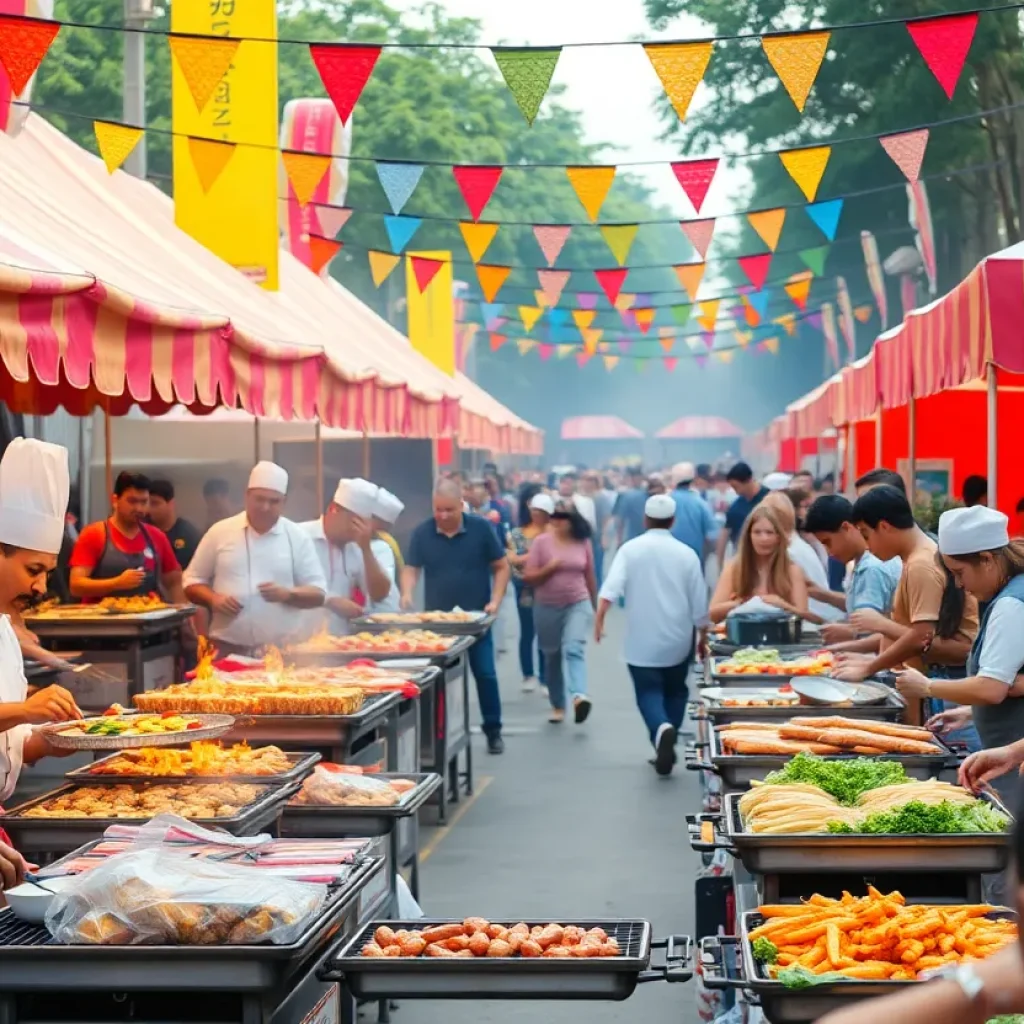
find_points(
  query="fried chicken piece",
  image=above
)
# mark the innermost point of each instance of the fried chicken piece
(384, 936)
(499, 948)
(472, 925)
(529, 948)
(479, 944)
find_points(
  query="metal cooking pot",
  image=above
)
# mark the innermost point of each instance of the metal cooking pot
(759, 629)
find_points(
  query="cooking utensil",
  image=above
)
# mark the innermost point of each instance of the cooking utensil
(760, 629)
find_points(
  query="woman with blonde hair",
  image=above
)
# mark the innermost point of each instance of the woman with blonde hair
(762, 568)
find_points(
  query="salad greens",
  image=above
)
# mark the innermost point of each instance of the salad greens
(916, 818)
(798, 976)
(765, 951)
(845, 780)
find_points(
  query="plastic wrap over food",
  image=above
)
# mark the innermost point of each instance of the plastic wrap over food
(163, 897)
(342, 789)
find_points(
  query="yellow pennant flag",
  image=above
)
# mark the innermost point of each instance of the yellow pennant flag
(209, 159)
(491, 279)
(796, 59)
(743, 338)
(690, 276)
(305, 172)
(771, 345)
(583, 318)
(115, 142)
(591, 337)
(680, 66)
(525, 345)
(806, 167)
(723, 355)
(530, 315)
(709, 314)
(564, 351)
(610, 362)
(204, 61)
(624, 302)
(644, 318)
(478, 236)
(787, 322)
(381, 265)
(620, 239)
(768, 224)
(591, 186)
(541, 298)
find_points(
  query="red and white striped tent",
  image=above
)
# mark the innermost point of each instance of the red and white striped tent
(598, 428)
(699, 428)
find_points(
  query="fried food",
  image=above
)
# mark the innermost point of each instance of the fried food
(833, 735)
(202, 758)
(132, 725)
(404, 641)
(326, 788)
(134, 605)
(199, 801)
(402, 617)
(215, 696)
(754, 662)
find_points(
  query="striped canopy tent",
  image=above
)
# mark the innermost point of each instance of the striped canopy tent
(599, 428)
(699, 428)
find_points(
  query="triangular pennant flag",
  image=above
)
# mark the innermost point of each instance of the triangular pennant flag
(564, 351)
(699, 232)
(587, 300)
(203, 61)
(671, 362)
(768, 224)
(680, 66)
(666, 338)
(497, 340)
(545, 350)
(863, 313)
(491, 312)
(758, 302)
(701, 361)
(770, 345)
(115, 142)
(530, 315)
(944, 43)
(305, 172)
(611, 282)
(322, 251)
(807, 167)
(591, 186)
(787, 322)
(695, 176)
(826, 216)
(23, 45)
(477, 237)
(582, 358)
(332, 218)
(693, 342)
(491, 279)
(815, 320)
(644, 319)
(690, 277)
(399, 181)
(552, 282)
(641, 363)
(525, 345)
(750, 315)
(591, 336)
(756, 268)
(709, 314)
(583, 318)
(610, 362)
(623, 301)
(796, 59)
(814, 259)
(724, 355)
(558, 318)
(620, 239)
(477, 185)
(344, 69)
(708, 337)
(540, 298)
(798, 288)
(527, 73)
(209, 159)
(681, 313)
(400, 231)
(381, 265)
(551, 238)
(907, 151)
(425, 270)
(743, 338)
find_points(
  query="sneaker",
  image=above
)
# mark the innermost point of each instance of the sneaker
(543, 690)
(495, 745)
(665, 749)
(581, 706)
(557, 716)
(529, 684)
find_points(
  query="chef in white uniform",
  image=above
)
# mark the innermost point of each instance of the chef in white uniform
(257, 571)
(342, 539)
(387, 509)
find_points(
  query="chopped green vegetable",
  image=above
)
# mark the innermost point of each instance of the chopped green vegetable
(916, 818)
(765, 951)
(798, 977)
(1010, 1018)
(845, 780)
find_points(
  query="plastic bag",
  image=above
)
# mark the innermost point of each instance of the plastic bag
(757, 606)
(163, 897)
(325, 788)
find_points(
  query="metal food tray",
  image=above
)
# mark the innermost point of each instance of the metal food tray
(462, 643)
(719, 646)
(320, 822)
(30, 961)
(211, 726)
(606, 978)
(51, 835)
(475, 628)
(797, 852)
(889, 710)
(302, 765)
(734, 679)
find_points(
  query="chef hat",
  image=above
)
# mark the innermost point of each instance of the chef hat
(388, 507)
(269, 476)
(777, 481)
(357, 496)
(34, 488)
(966, 531)
(660, 506)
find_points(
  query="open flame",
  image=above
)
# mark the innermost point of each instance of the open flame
(273, 662)
(205, 653)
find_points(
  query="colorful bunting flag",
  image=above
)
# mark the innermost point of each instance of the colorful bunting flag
(545, 350)
(491, 313)
(907, 151)
(814, 319)
(528, 74)
(708, 337)
(709, 314)
(690, 277)
(209, 159)
(587, 300)
(807, 167)
(203, 62)
(491, 279)
(826, 216)
(876, 278)
(743, 338)
(564, 351)
(381, 265)
(591, 186)
(787, 322)
(305, 172)
(530, 315)
(591, 337)
(700, 233)
(863, 313)
(768, 224)
(751, 316)
(552, 282)
(624, 346)
(671, 362)
(322, 251)
(611, 281)
(400, 230)
(723, 355)
(115, 142)
(540, 298)
(666, 338)
(944, 43)
(756, 268)
(497, 340)
(619, 238)
(680, 67)
(796, 59)
(23, 45)
(425, 270)
(551, 238)
(477, 185)
(681, 313)
(623, 301)
(344, 70)
(582, 358)
(758, 302)
(610, 362)
(525, 345)
(583, 318)
(644, 318)
(814, 259)
(399, 181)
(701, 361)
(847, 324)
(477, 237)
(769, 345)
(695, 177)
(693, 342)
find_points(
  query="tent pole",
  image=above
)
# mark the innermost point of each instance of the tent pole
(993, 444)
(319, 455)
(878, 439)
(256, 439)
(366, 455)
(108, 462)
(851, 456)
(912, 450)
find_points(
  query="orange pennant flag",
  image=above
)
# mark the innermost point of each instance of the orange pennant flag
(644, 318)
(743, 338)
(541, 298)
(666, 338)
(491, 279)
(305, 172)
(203, 61)
(525, 345)
(771, 345)
(583, 318)
(863, 313)
(381, 265)
(680, 66)
(478, 237)
(798, 288)
(787, 322)
(768, 224)
(591, 337)
(751, 315)
(530, 315)
(807, 167)
(322, 251)
(709, 314)
(610, 362)
(690, 276)
(115, 142)
(23, 45)
(796, 59)
(209, 159)
(497, 340)
(591, 186)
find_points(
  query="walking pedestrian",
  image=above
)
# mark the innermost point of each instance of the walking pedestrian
(693, 522)
(560, 568)
(535, 510)
(666, 607)
(749, 494)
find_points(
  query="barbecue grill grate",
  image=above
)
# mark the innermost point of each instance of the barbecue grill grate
(15, 932)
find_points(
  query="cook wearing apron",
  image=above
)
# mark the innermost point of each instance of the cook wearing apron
(113, 562)
(385, 548)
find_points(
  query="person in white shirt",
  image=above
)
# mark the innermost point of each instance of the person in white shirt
(256, 571)
(387, 509)
(342, 538)
(666, 606)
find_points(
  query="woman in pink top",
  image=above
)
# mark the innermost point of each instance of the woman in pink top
(560, 568)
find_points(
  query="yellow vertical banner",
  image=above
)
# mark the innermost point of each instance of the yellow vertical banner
(432, 311)
(234, 214)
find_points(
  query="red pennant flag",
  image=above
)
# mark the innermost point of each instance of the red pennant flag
(611, 281)
(696, 176)
(424, 270)
(322, 251)
(756, 268)
(477, 185)
(671, 362)
(497, 340)
(344, 70)
(944, 44)
(23, 45)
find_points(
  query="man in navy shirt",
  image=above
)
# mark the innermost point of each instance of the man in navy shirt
(749, 494)
(464, 566)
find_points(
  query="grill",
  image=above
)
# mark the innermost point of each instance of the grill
(301, 764)
(15, 932)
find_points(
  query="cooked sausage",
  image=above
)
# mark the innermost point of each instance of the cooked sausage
(442, 931)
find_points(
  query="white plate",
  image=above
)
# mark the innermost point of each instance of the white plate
(823, 690)
(30, 903)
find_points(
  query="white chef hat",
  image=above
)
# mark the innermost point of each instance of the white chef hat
(388, 507)
(34, 488)
(269, 476)
(660, 506)
(543, 503)
(966, 531)
(358, 496)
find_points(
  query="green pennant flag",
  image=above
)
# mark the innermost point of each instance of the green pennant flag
(527, 73)
(641, 364)
(681, 314)
(814, 259)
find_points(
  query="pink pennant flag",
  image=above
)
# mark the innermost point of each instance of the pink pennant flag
(944, 43)
(699, 232)
(907, 151)
(582, 358)
(671, 362)
(695, 177)
(544, 351)
(701, 361)
(708, 337)
(624, 347)
(552, 283)
(756, 268)
(477, 185)
(551, 238)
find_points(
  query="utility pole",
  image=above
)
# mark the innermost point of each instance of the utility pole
(137, 16)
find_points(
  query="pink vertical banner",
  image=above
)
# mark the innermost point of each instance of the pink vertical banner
(921, 221)
(828, 325)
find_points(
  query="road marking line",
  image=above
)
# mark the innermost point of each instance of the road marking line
(480, 784)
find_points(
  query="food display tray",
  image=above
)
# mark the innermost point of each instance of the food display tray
(30, 961)
(301, 765)
(211, 727)
(58, 835)
(303, 821)
(890, 709)
(605, 978)
(475, 628)
(732, 680)
(723, 648)
(462, 644)
(796, 853)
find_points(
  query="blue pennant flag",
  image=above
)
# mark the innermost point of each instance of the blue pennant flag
(759, 300)
(492, 311)
(558, 317)
(400, 231)
(826, 215)
(399, 181)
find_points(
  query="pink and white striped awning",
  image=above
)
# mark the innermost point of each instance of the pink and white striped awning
(598, 428)
(699, 428)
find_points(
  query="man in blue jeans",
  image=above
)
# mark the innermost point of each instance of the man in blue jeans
(464, 566)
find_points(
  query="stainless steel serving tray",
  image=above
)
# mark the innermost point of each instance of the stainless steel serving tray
(462, 643)
(710, 700)
(312, 821)
(211, 727)
(475, 628)
(301, 765)
(732, 679)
